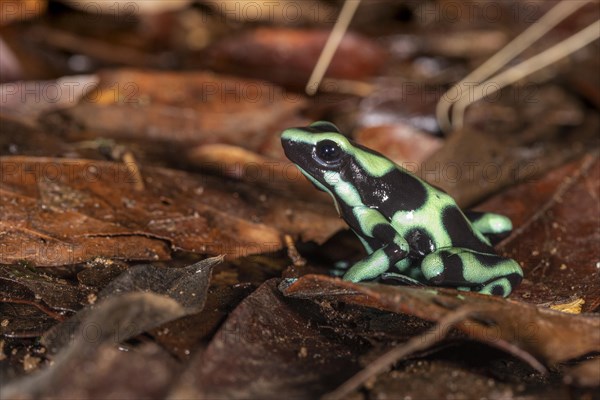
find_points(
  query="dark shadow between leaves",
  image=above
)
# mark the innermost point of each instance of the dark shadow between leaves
(142, 298)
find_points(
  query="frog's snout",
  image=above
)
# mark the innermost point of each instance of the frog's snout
(286, 143)
(290, 145)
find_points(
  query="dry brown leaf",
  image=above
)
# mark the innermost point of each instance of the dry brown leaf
(59, 211)
(557, 230)
(522, 329)
(183, 107)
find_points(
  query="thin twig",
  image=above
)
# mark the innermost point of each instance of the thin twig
(526, 68)
(521, 354)
(548, 21)
(346, 86)
(565, 186)
(42, 307)
(134, 170)
(335, 37)
(293, 253)
(381, 364)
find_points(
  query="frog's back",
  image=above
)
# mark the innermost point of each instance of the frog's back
(425, 215)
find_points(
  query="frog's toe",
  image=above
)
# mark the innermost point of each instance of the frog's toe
(443, 268)
(500, 287)
(489, 223)
(400, 279)
(338, 273)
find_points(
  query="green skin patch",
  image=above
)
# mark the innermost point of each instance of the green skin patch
(412, 231)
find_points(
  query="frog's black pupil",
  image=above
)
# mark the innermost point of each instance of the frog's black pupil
(328, 150)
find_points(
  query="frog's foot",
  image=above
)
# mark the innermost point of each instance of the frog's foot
(373, 265)
(500, 286)
(400, 279)
(484, 273)
(493, 226)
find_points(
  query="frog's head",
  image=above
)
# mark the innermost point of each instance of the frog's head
(317, 149)
(324, 155)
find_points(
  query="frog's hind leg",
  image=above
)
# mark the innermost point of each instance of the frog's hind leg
(471, 270)
(495, 227)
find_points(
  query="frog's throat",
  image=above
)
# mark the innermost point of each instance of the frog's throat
(321, 187)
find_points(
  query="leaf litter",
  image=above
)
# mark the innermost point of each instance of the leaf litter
(60, 211)
(240, 335)
(141, 298)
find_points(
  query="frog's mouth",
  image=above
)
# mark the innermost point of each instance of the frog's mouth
(288, 147)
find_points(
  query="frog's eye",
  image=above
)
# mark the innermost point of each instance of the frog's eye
(328, 151)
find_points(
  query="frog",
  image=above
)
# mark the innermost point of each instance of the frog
(414, 233)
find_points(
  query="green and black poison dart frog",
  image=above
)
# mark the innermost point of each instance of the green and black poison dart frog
(413, 232)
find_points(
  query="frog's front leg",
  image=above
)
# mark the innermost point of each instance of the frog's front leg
(471, 270)
(375, 228)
